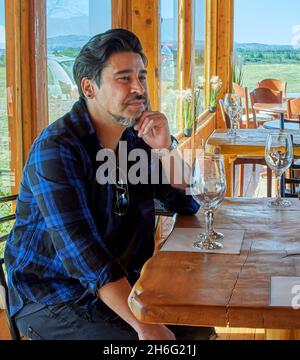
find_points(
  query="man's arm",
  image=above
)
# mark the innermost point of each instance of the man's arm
(176, 169)
(115, 295)
(153, 128)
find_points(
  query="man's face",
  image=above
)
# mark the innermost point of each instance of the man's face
(123, 89)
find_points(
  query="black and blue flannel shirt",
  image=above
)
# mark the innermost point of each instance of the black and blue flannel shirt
(66, 240)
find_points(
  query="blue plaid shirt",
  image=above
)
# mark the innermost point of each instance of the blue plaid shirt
(67, 241)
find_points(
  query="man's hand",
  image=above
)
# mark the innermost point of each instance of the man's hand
(155, 332)
(153, 128)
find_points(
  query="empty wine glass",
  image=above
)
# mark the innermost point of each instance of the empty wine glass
(209, 187)
(279, 157)
(233, 108)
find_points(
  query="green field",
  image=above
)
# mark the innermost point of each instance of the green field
(287, 72)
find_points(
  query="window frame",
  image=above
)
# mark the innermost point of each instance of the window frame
(27, 65)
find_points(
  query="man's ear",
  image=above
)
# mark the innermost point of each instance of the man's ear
(87, 87)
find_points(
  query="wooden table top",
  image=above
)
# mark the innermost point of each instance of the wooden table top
(250, 143)
(217, 289)
(271, 107)
(275, 125)
(291, 95)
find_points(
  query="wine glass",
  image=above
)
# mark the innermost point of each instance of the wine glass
(279, 157)
(233, 108)
(209, 187)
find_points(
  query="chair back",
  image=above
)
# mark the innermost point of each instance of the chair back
(293, 109)
(273, 84)
(225, 116)
(265, 95)
(4, 300)
(243, 94)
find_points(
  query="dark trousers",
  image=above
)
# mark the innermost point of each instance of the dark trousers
(69, 321)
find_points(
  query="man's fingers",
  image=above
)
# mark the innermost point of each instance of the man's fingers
(143, 125)
(141, 120)
(148, 128)
(144, 121)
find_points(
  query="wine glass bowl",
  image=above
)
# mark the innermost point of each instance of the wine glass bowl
(233, 108)
(279, 157)
(209, 187)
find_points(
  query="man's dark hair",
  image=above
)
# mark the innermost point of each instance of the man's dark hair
(93, 56)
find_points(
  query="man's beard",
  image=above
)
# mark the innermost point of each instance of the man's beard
(124, 121)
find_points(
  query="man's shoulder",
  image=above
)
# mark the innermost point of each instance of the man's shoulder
(69, 128)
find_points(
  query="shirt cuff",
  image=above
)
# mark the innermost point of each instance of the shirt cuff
(111, 272)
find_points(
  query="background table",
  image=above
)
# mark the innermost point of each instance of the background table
(218, 290)
(273, 108)
(251, 143)
(275, 125)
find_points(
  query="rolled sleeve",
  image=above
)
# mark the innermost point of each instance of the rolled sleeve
(56, 178)
(176, 200)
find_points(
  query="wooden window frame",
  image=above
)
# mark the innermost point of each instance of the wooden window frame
(27, 61)
(13, 84)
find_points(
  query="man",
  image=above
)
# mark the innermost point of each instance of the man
(77, 246)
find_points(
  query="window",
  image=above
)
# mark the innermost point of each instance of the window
(199, 14)
(5, 185)
(70, 24)
(182, 62)
(168, 61)
(267, 41)
(5, 170)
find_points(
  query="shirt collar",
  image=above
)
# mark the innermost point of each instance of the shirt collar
(81, 119)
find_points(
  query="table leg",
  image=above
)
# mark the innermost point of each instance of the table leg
(281, 121)
(274, 334)
(228, 164)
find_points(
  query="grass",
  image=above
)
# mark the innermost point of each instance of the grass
(288, 72)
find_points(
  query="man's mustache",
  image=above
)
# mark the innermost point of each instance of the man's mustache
(137, 97)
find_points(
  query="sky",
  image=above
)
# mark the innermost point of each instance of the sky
(260, 21)
(2, 22)
(267, 21)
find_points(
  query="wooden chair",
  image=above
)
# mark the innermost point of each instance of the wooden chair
(293, 109)
(249, 120)
(273, 84)
(264, 95)
(14, 332)
(241, 160)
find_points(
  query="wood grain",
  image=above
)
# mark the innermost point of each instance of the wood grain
(13, 81)
(146, 26)
(211, 289)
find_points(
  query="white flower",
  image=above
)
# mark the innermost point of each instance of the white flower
(214, 79)
(187, 95)
(200, 82)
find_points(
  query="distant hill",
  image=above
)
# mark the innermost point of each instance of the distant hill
(58, 43)
(263, 47)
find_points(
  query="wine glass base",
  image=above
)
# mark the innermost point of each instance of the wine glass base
(279, 203)
(212, 236)
(208, 245)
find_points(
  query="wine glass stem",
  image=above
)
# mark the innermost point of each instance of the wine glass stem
(209, 218)
(278, 196)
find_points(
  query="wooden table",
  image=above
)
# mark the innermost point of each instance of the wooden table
(271, 107)
(252, 143)
(208, 289)
(291, 96)
(275, 108)
(275, 125)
